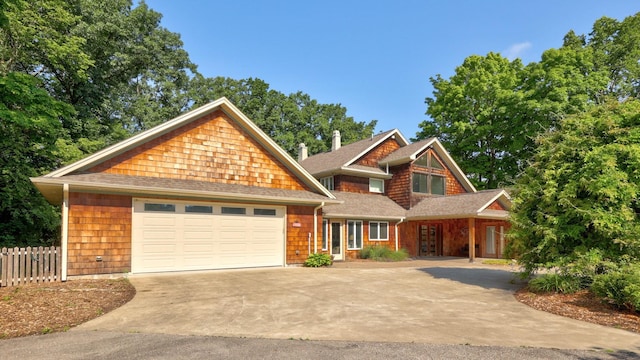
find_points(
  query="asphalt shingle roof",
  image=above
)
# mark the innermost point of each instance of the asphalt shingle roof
(449, 206)
(364, 206)
(334, 160)
(406, 151)
(158, 184)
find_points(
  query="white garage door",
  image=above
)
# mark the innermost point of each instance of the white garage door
(176, 236)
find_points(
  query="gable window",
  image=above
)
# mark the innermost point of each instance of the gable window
(378, 230)
(325, 234)
(354, 234)
(428, 160)
(327, 182)
(428, 184)
(376, 185)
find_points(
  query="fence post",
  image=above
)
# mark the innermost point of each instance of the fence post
(3, 267)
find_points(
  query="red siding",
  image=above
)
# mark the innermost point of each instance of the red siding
(379, 152)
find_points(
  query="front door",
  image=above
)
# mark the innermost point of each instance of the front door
(336, 241)
(430, 240)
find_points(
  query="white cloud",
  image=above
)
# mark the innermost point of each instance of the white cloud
(516, 50)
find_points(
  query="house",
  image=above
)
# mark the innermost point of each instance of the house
(210, 190)
(401, 195)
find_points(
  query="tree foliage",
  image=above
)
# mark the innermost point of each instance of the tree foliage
(581, 190)
(491, 110)
(288, 119)
(30, 124)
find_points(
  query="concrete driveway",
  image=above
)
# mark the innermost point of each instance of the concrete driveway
(444, 301)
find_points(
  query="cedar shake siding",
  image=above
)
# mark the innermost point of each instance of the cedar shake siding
(353, 184)
(398, 188)
(389, 243)
(299, 226)
(213, 148)
(381, 151)
(99, 225)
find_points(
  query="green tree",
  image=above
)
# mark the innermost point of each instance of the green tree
(580, 192)
(288, 119)
(30, 124)
(475, 115)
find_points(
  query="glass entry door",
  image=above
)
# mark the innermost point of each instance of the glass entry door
(430, 240)
(336, 240)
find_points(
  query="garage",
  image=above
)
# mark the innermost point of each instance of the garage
(182, 235)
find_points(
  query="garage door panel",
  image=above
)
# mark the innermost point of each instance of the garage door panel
(160, 220)
(199, 237)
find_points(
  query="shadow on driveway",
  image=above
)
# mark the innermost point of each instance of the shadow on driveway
(485, 278)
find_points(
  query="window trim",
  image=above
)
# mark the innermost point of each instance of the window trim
(378, 223)
(374, 190)
(429, 187)
(356, 241)
(328, 182)
(325, 234)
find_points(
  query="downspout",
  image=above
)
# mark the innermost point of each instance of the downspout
(398, 223)
(315, 227)
(65, 231)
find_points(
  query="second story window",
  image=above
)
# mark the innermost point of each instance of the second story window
(376, 185)
(327, 182)
(428, 184)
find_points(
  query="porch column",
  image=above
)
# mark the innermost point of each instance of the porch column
(472, 239)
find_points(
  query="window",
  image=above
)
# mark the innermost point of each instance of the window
(234, 210)
(160, 207)
(429, 160)
(428, 184)
(378, 230)
(354, 234)
(325, 234)
(376, 185)
(264, 212)
(327, 182)
(198, 209)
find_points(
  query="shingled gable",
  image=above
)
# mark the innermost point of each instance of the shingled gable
(51, 184)
(342, 160)
(411, 152)
(463, 205)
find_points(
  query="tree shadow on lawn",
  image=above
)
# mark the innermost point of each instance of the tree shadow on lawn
(485, 278)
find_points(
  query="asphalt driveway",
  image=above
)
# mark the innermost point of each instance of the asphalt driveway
(445, 301)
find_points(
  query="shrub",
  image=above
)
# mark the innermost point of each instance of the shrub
(621, 286)
(317, 260)
(560, 283)
(382, 253)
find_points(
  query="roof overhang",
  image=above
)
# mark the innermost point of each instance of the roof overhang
(362, 217)
(52, 189)
(493, 215)
(346, 170)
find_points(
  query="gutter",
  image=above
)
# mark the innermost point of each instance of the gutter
(315, 227)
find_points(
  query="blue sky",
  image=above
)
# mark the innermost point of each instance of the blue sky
(373, 57)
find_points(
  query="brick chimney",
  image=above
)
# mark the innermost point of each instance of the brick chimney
(336, 142)
(302, 152)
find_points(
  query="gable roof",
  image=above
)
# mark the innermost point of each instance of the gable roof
(364, 206)
(343, 158)
(462, 205)
(411, 152)
(54, 178)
